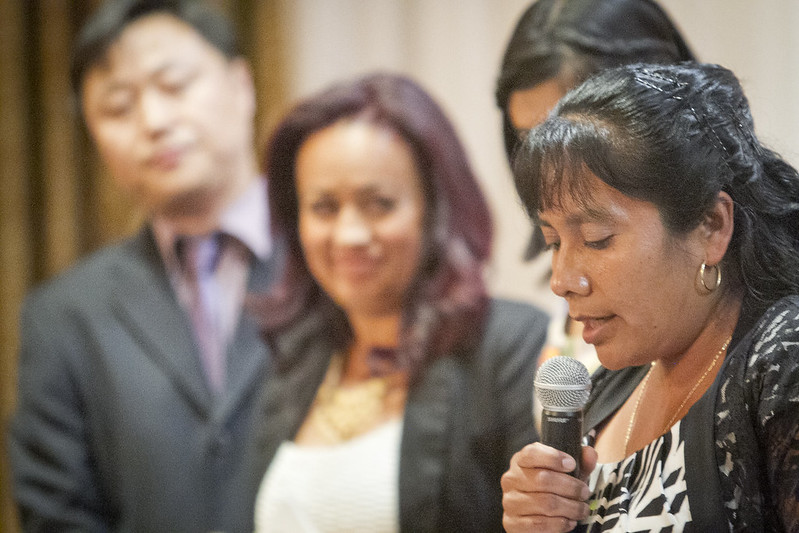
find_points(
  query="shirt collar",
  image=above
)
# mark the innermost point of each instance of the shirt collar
(246, 218)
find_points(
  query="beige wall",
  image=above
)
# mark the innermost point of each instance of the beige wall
(453, 48)
(759, 42)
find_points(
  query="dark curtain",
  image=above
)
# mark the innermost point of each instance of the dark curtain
(57, 202)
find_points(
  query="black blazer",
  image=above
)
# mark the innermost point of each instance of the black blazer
(116, 429)
(464, 419)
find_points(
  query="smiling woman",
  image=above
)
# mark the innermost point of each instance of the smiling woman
(361, 215)
(400, 389)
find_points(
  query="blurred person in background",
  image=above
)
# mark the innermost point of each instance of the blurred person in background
(555, 45)
(399, 389)
(138, 370)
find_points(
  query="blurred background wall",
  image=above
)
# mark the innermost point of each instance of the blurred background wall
(57, 203)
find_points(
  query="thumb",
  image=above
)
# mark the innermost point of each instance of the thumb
(589, 461)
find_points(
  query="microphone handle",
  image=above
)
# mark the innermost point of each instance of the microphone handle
(564, 431)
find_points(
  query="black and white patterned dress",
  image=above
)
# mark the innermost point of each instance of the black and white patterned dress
(732, 463)
(645, 491)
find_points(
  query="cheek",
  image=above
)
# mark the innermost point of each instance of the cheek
(651, 290)
(117, 147)
(630, 282)
(316, 242)
(312, 237)
(406, 244)
(231, 116)
(409, 253)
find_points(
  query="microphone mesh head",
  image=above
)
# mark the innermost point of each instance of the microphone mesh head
(562, 384)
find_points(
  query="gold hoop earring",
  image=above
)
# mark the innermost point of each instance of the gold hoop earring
(702, 276)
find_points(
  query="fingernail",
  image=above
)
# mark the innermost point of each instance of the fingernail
(571, 524)
(585, 493)
(569, 464)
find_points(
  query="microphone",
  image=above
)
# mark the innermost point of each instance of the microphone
(562, 385)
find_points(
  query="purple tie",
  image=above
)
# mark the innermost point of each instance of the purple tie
(199, 257)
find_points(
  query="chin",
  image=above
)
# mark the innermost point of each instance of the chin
(609, 361)
(189, 202)
(613, 365)
(371, 309)
(619, 359)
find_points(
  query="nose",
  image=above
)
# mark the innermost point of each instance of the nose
(568, 275)
(352, 229)
(156, 111)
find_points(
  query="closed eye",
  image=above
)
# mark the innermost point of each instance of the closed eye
(324, 207)
(380, 205)
(178, 82)
(552, 246)
(600, 244)
(118, 104)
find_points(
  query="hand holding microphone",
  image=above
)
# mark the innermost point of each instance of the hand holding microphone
(543, 489)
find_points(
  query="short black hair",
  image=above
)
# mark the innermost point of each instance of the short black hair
(113, 16)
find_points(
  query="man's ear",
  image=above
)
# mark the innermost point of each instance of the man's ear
(718, 226)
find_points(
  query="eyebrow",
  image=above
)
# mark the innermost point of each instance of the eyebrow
(114, 83)
(588, 213)
(114, 86)
(367, 190)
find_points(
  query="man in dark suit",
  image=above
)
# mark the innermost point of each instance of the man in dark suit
(139, 369)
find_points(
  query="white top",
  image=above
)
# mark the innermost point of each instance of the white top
(348, 487)
(645, 492)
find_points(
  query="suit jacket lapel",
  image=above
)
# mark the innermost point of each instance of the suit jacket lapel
(146, 303)
(302, 356)
(247, 353)
(424, 451)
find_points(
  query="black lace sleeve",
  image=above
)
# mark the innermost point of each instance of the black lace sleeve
(776, 375)
(757, 426)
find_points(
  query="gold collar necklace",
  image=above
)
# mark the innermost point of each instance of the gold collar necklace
(344, 412)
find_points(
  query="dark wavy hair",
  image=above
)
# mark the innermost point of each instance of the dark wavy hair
(448, 299)
(113, 16)
(675, 136)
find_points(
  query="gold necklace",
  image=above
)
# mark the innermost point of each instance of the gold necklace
(345, 412)
(635, 408)
(701, 379)
(685, 400)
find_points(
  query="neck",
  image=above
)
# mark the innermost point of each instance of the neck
(369, 332)
(671, 387)
(682, 370)
(200, 212)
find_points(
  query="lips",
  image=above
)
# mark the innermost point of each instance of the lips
(595, 328)
(354, 265)
(166, 159)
